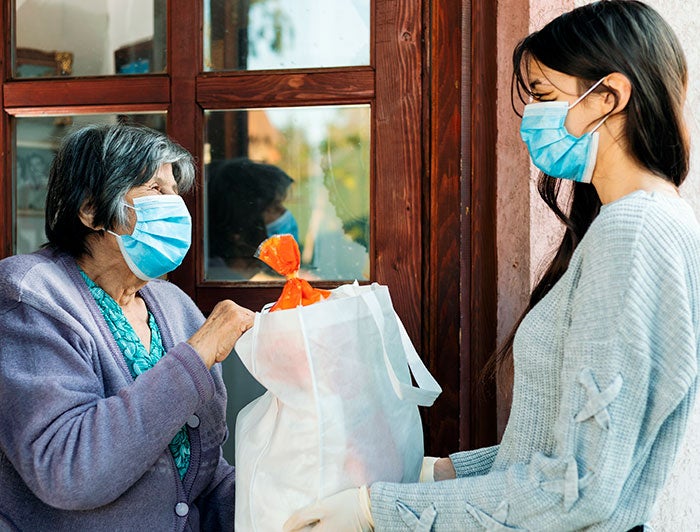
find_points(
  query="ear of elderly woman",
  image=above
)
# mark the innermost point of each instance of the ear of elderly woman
(111, 401)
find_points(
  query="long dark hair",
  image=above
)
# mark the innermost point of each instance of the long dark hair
(239, 190)
(589, 43)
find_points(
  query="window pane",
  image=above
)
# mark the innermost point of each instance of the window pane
(88, 38)
(303, 171)
(37, 139)
(276, 34)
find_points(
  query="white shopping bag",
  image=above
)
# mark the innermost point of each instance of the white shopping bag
(340, 411)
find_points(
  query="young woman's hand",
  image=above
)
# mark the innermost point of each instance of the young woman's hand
(435, 469)
(444, 469)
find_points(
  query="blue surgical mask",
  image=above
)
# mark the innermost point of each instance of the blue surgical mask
(552, 148)
(285, 224)
(161, 236)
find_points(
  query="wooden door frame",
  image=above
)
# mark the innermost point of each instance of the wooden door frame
(5, 139)
(449, 267)
(479, 219)
(460, 305)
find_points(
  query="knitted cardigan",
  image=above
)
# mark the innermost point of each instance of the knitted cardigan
(84, 446)
(605, 378)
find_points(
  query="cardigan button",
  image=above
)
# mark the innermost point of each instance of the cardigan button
(182, 509)
(193, 421)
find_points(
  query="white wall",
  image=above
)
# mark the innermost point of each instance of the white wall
(679, 506)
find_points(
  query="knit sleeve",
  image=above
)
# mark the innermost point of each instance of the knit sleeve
(474, 462)
(629, 360)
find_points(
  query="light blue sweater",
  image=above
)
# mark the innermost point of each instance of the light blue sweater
(605, 377)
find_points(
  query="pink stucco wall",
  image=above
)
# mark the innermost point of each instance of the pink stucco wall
(528, 233)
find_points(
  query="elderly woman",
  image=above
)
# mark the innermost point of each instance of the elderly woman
(112, 404)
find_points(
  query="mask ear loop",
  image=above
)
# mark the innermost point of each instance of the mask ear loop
(125, 204)
(602, 121)
(590, 90)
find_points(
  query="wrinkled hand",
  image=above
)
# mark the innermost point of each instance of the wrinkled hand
(218, 334)
(347, 511)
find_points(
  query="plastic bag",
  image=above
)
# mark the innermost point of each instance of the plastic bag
(341, 409)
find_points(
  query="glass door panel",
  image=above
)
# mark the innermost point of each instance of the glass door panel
(303, 171)
(88, 38)
(278, 34)
(36, 142)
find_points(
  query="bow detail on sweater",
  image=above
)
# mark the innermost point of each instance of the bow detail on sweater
(569, 485)
(422, 524)
(495, 522)
(598, 401)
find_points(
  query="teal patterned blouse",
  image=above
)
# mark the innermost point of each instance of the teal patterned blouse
(138, 359)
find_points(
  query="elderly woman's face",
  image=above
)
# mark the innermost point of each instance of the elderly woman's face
(163, 182)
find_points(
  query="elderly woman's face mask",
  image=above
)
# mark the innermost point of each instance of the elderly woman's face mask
(161, 236)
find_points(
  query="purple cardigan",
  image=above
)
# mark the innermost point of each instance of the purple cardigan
(83, 446)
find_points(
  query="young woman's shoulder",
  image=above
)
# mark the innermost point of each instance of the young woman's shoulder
(655, 222)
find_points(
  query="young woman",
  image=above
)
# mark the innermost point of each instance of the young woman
(605, 358)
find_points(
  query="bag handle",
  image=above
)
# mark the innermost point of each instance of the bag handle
(428, 389)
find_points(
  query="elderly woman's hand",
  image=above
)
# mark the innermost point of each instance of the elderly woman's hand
(218, 334)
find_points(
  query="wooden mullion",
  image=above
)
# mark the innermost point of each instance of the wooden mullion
(114, 90)
(396, 196)
(185, 116)
(8, 30)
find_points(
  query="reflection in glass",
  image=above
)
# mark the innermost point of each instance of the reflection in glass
(88, 38)
(277, 34)
(303, 171)
(37, 140)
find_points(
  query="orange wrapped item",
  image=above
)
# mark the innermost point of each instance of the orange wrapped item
(281, 253)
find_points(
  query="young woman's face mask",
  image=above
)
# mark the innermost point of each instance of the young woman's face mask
(161, 236)
(285, 224)
(552, 148)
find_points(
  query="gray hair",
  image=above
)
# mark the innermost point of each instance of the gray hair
(97, 165)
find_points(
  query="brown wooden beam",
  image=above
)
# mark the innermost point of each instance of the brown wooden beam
(121, 90)
(397, 193)
(51, 110)
(331, 86)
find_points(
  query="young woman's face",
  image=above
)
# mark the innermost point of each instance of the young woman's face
(550, 85)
